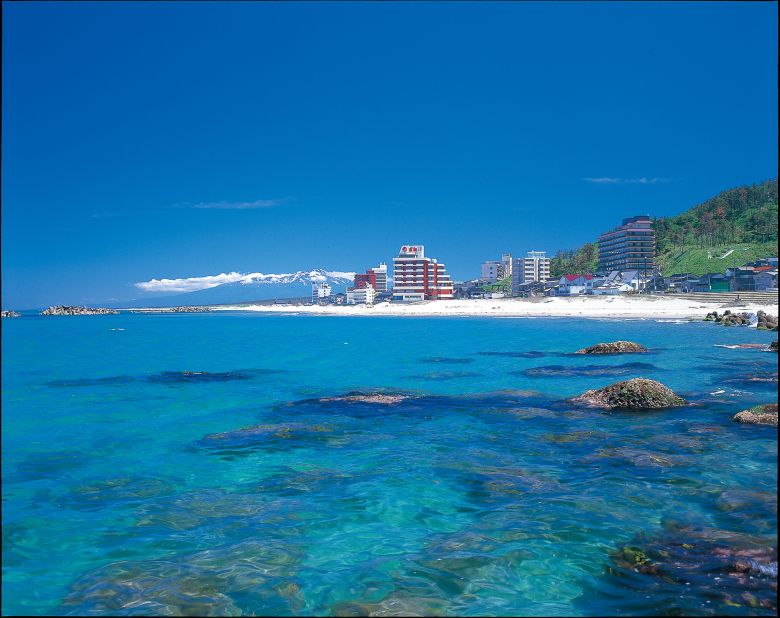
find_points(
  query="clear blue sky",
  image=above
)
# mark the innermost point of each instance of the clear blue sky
(149, 140)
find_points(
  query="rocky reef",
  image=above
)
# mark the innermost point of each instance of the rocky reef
(10, 314)
(77, 310)
(634, 394)
(765, 414)
(614, 347)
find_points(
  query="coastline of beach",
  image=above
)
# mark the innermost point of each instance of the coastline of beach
(578, 307)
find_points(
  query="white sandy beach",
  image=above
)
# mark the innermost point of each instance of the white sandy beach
(658, 307)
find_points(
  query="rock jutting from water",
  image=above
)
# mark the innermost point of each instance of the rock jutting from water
(614, 347)
(772, 346)
(10, 314)
(765, 414)
(77, 310)
(634, 394)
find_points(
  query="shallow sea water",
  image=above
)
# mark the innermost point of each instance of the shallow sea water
(129, 489)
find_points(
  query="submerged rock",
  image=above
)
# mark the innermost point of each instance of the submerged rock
(733, 570)
(529, 354)
(386, 399)
(260, 435)
(254, 577)
(634, 394)
(614, 347)
(444, 375)
(187, 377)
(564, 371)
(765, 414)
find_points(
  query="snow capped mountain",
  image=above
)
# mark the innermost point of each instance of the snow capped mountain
(234, 287)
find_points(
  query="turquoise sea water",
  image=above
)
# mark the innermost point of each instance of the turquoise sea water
(485, 494)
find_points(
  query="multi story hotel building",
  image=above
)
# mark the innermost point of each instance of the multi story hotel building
(630, 246)
(416, 277)
(375, 277)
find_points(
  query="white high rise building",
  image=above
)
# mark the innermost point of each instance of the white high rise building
(320, 291)
(534, 268)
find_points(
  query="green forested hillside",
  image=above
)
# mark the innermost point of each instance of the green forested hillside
(582, 260)
(741, 220)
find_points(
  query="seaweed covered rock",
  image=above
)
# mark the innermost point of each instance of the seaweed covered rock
(765, 414)
(773, 346)
(614, 347)
(634, 394)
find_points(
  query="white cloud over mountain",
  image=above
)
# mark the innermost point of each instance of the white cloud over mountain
(193, 284)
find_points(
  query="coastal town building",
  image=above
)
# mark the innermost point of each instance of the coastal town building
(574, 285)
(361, 296)
(492, 271)
(320, 292)
(630, 246)
(534, 268)
(416, 277)
(506, 261)
(375, 277)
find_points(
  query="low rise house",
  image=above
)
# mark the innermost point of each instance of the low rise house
(765, 281)
(574, 285)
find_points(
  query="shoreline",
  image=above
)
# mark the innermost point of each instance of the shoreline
(552, 307)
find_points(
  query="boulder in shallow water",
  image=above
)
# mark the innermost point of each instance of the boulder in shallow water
(634, 394)
(765, 414)
(614, 347)
(772, 346)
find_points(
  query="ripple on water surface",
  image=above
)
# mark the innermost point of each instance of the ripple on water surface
(342, 490)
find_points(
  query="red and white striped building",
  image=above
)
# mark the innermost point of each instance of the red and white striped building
(416, 277)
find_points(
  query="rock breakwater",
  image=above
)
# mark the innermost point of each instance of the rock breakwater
(78, 310)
